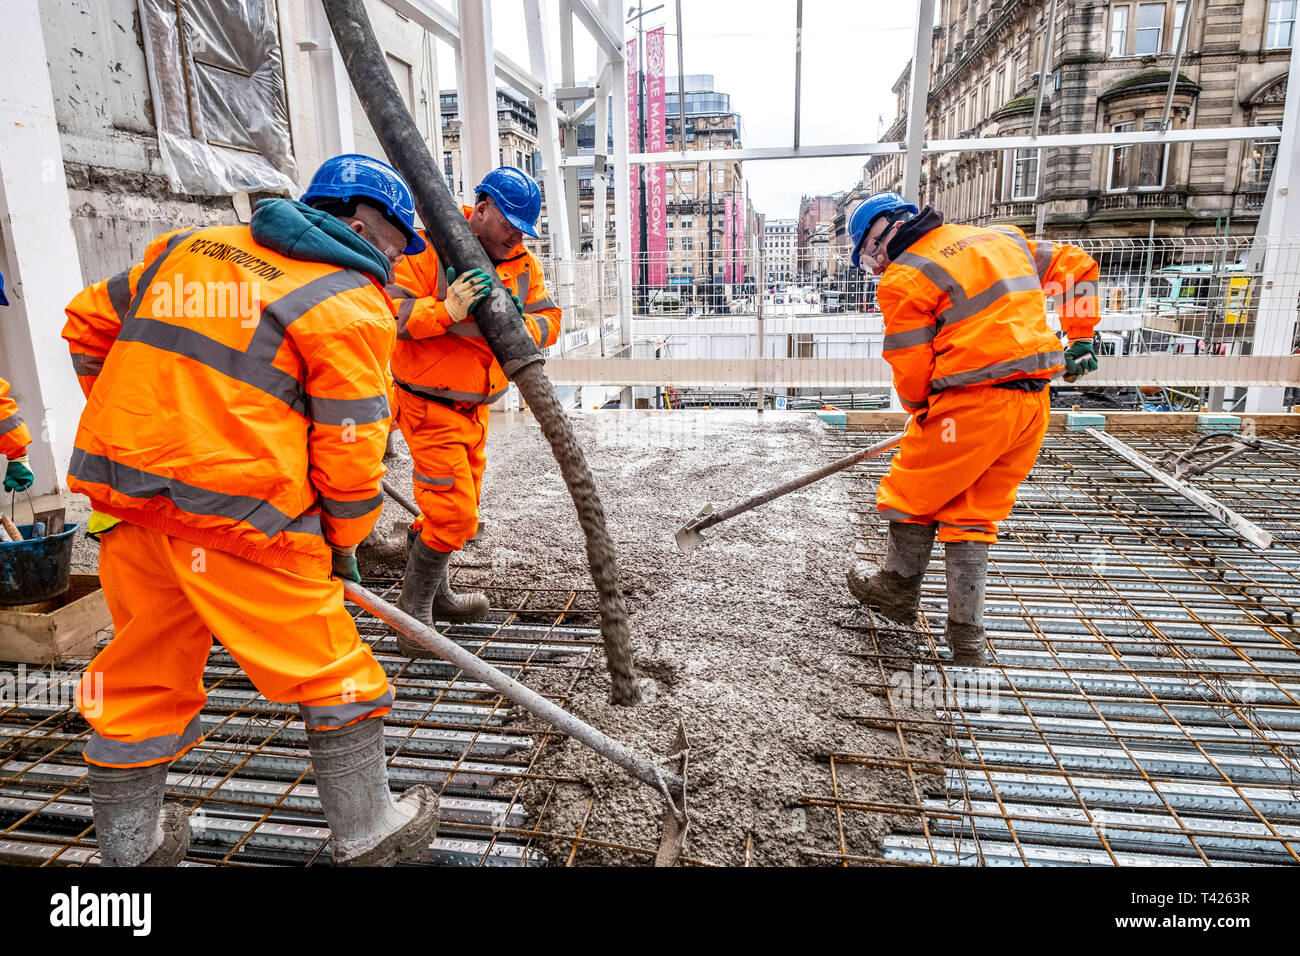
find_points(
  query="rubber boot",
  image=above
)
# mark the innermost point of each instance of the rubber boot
(967, 565)
(895, 588)
(448, 605)
(132, 825)
(370, 828)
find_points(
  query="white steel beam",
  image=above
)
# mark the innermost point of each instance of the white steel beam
(548, 143)
(920, 93)
(331, 88)
(1128, 370)
(597, 22)
(39, 255)
(1276, 318)
(445, 25)
(991, 144)
(477, 96)
(622, 199)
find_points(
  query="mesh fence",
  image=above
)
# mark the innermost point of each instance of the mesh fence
(1181, 319)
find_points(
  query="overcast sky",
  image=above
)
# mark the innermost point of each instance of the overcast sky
(852, 54)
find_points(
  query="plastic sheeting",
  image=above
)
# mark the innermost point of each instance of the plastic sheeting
(217, 79)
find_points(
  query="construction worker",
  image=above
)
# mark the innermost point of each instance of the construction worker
(966, 334)
(237, 411)
(447, 377)
(14, 436)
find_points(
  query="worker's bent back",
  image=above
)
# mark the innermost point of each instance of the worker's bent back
(243, 403)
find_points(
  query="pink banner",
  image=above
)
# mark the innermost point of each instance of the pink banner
(634, 184)
(726, 239)
(656, 194)
(741, 224)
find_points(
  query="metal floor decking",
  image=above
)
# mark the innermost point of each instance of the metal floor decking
(248, 782)
(1142, 706)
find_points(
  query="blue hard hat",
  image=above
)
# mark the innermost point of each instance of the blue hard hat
(353, 176)
(874, 206)
(516, 195)
(3, 300)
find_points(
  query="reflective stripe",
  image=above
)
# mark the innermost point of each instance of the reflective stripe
(404, 310)
(1080, 289)
(119, 293)
(396, 291)
(83, 364)
(1043, 258)
(979, 303)
(334, 716)
(101, 750)
(221, 358)
(467, 330)
(439, 482)
(442, 284)
(253, 366)
(913, 405)
(936, 273)
(134, 483)
(908, 338)
(893, 514)
(350, 509)
(543, 326)
(10, 423)
(970, 527)
(146, 277)
(522, 282)
(348, 411)
(441, 393)
(1040, 362)
(493, 396)
(543, 303)
(293, 305)
(1017, 237)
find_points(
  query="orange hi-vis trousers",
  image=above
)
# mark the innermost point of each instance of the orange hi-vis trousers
(448, 454)
(291, 634)
(961, 465)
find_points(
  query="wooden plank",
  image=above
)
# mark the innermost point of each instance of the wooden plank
(68, 631)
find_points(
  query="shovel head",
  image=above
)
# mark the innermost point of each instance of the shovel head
(676, 822)
(688, 539)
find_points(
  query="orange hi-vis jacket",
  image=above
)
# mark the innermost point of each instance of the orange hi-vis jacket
(14, 436)
(967, 306)
(237, 397)
(438, 358)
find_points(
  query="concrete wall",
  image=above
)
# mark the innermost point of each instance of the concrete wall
(119, 196)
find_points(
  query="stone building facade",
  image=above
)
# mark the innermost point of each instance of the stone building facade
(1110, 64)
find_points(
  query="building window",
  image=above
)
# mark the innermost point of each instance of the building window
(669, 240)
(1150, 28)
(1180, 10)
(688, 244)
(1257, 168)
(1024, 175)
(686, 177)
(1118, 30)
(1137, 167)
(687, 222)
(1281, 23)
(446, 166)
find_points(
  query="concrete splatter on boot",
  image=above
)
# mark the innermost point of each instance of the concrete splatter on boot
(967, 564)
(418, 589)
(370, 828)
(132, 825)
(895, 588)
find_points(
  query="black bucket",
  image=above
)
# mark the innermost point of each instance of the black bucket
(35, 569)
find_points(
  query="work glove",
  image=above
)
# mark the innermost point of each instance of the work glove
(1080, 359)
(343, 564)
(18, 477)
(466, 292)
